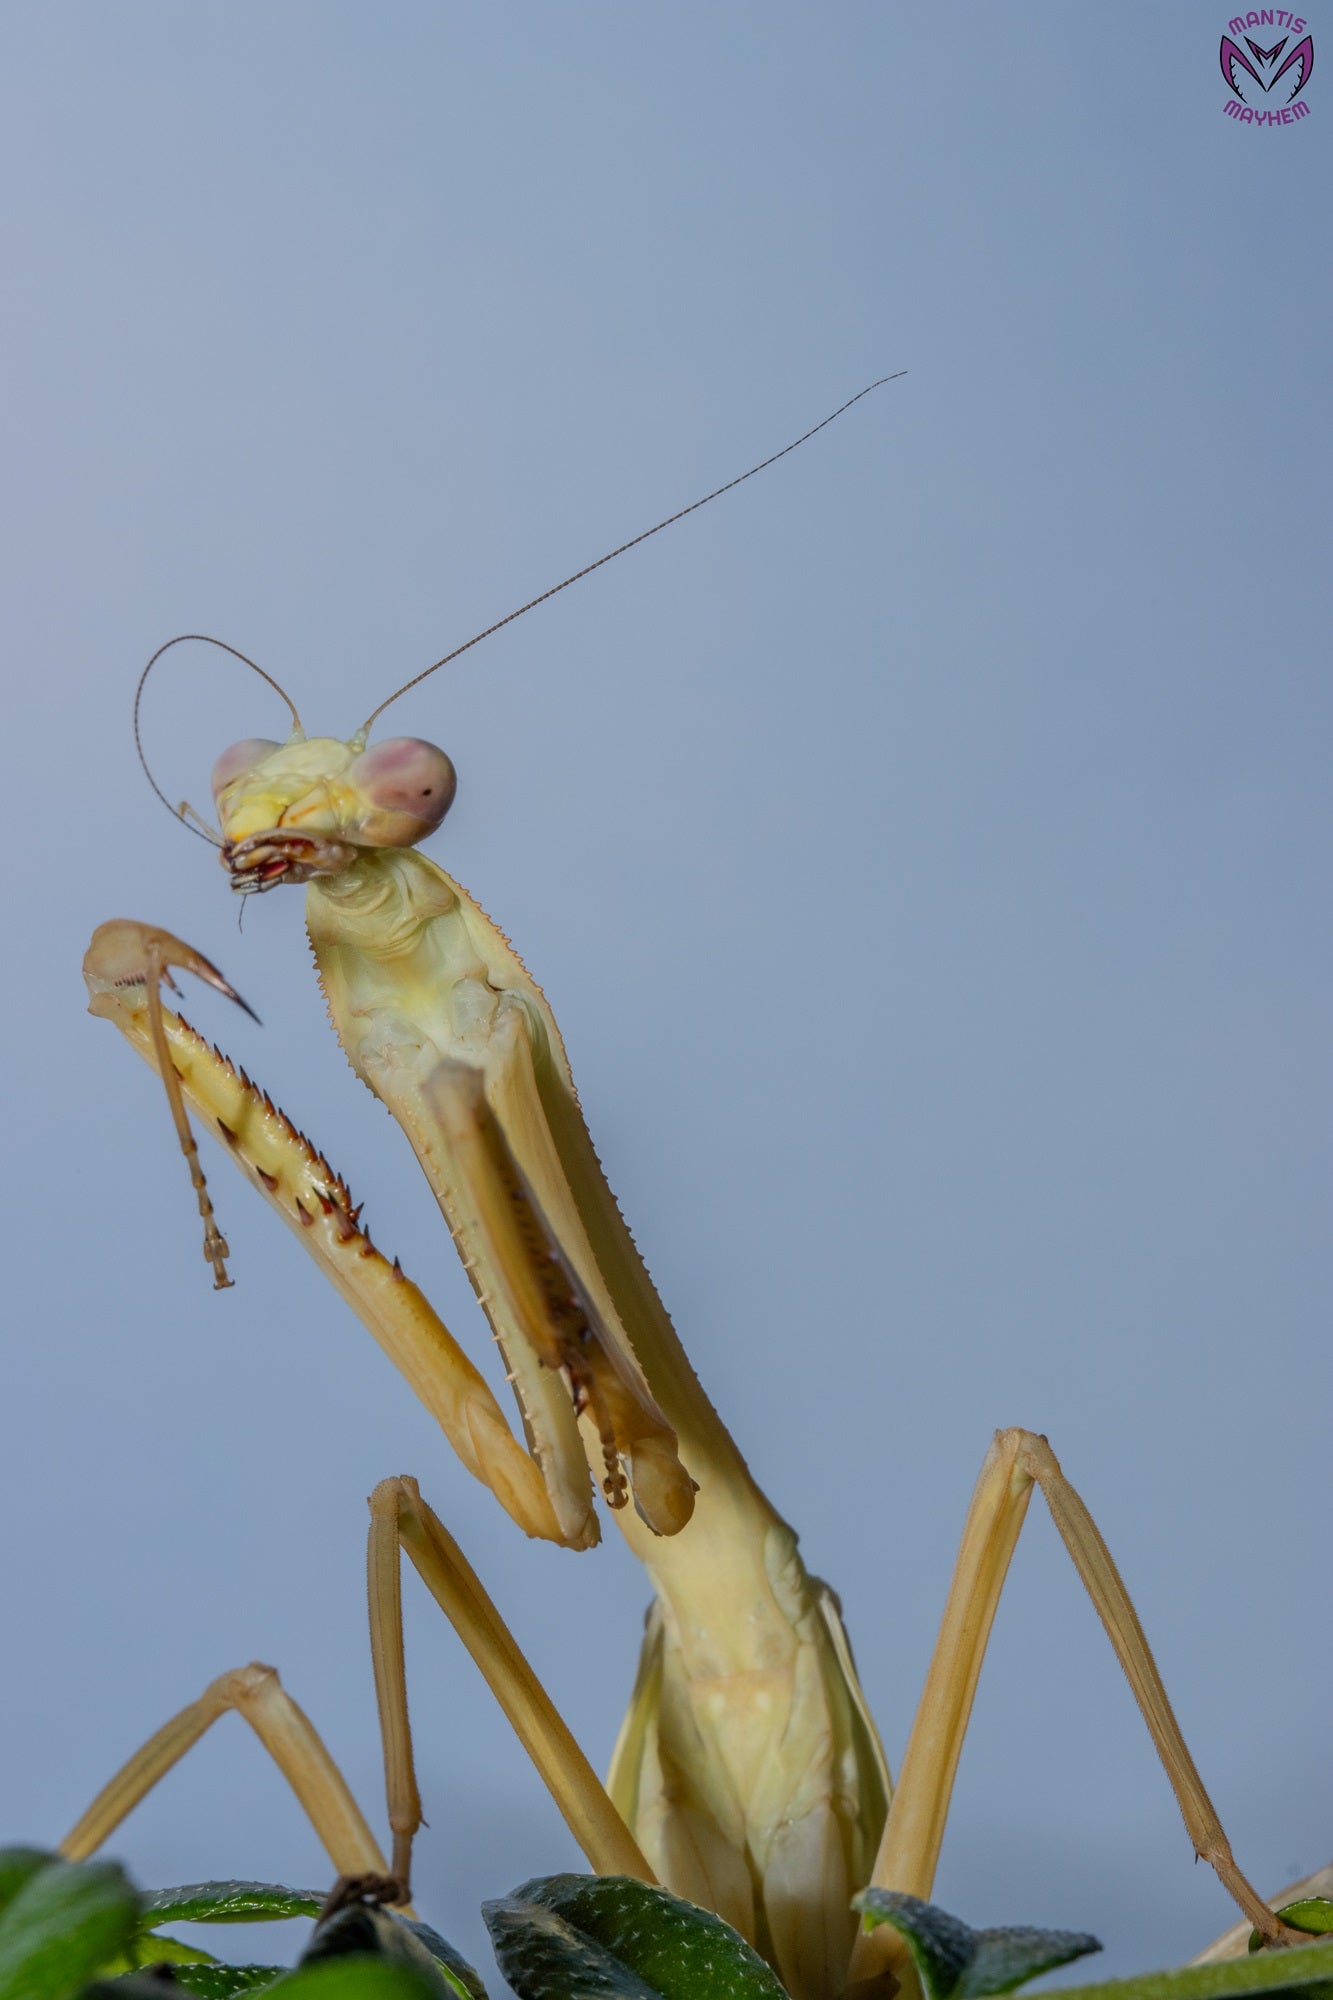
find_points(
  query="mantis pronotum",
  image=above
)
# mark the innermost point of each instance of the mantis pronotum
(748, 1775)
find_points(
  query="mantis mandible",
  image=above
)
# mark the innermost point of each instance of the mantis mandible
(748, 1775)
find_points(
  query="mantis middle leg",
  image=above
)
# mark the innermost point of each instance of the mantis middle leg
(401, 1520)
(291, 1739)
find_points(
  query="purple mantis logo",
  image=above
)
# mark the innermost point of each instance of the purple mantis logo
(1251, 78)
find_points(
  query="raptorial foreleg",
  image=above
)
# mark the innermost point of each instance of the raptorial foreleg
(122, 967)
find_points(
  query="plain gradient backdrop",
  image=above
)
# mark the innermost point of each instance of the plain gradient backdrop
(924, 850)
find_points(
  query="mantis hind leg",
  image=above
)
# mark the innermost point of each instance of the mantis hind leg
(286, 1732)
(1017, 1461)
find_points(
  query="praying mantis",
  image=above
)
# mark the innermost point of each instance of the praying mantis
(748, 1775)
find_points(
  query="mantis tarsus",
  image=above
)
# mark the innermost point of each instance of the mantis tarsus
(748, 1775)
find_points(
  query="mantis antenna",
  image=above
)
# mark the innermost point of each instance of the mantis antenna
(588, 568)
(202, 639)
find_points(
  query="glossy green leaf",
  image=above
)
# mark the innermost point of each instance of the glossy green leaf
(589, 1937)
(1310, 1913)
(229, 1903)
(958, 1963)
(62, 1926)
(543, 1957)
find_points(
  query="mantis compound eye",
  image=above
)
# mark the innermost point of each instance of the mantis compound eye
(408, 786)
(241, 757)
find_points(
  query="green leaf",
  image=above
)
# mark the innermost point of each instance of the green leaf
(63, 1925)
(368, 1930)
(608, 1937)
(1311, 1913)
(545, 1958)
(218, 1903)
(220, 1982)
(211, 1982)
(147, 1948)
(134, 1986)
(958, 1963)
(356, 1978)
(1306, 1971)
(465, 1981)
(229, 1903)
(17, 1866)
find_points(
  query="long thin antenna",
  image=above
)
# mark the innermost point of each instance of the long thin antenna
(633, 543)
(202, 639)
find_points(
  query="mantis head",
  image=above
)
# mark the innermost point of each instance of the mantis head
(313, 805)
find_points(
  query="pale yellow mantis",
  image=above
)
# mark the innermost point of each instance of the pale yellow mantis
(748, 1775)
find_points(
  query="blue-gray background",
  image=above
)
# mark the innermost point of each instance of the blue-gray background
(923, 850)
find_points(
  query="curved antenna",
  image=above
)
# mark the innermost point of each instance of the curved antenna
(202, 639)
(633, 543)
